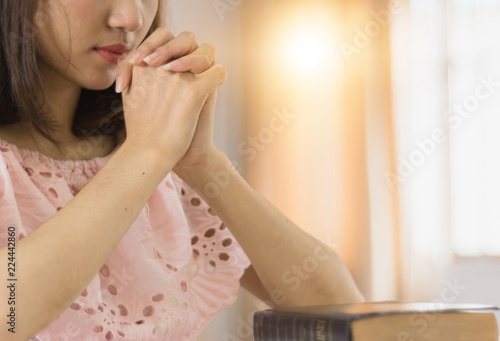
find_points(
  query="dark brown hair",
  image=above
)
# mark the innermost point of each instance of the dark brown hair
(98, 112)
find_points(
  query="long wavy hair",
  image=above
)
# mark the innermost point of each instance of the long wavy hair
(98, 112)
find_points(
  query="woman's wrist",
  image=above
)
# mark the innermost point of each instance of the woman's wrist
(213, 168)
(160, 161)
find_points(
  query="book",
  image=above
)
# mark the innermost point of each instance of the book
(378, 321)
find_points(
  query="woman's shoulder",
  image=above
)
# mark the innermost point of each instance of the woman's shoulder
(13, 135)
(7, 138)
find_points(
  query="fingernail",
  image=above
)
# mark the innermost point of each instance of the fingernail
(151, 57)
(171, 65)
(135, 58)
(119, 84)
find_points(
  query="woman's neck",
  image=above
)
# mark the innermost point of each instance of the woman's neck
(61, 97)
(61, 101)
(77, 149)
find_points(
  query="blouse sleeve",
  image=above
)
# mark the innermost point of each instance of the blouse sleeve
(221, 260)
(208, 231)
(10, 220)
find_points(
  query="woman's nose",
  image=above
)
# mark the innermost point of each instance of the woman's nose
(126, 14)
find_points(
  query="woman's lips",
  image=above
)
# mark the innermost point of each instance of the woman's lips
(113, 52)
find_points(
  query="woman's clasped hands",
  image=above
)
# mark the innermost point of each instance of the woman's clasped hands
(171, 110)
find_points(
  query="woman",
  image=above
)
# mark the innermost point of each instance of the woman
(112, 235)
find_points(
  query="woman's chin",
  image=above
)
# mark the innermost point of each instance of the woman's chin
(98, 81)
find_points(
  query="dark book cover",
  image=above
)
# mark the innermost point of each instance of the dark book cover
(333, 322)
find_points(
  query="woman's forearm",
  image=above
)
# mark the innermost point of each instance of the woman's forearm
(59, 259)
(295, 268)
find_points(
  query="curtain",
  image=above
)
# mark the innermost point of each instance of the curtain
(326, 166)
(446, 72)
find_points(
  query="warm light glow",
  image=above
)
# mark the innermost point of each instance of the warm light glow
(308, 51)
(309, 44)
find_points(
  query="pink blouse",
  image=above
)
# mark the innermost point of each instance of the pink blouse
(175, 268)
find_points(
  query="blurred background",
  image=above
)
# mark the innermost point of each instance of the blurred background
(373, 125)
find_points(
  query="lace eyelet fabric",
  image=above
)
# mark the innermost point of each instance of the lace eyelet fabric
(176, 267)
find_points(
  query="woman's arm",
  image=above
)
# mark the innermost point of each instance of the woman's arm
(295, 268)
(59, 259)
